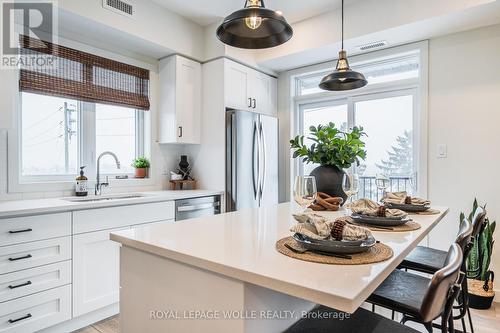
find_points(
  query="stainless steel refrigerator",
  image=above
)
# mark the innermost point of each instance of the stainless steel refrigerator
(251, 160)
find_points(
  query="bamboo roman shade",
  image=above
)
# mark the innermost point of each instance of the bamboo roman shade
(83, 76)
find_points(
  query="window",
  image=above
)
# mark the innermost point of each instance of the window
(117, 130)
(49, 135)
(387, 109)
(59, 135)
(390, 69)
(77, 109)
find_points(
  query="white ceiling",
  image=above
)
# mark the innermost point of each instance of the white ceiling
(205, 12)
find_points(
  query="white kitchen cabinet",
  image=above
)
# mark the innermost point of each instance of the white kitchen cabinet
(237, 86)
(123, 216)
(36, 312)
(248, 89)
(96, 271)
(33, 228)
(180, 100)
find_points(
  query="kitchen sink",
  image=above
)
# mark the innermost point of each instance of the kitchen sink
(105, 198)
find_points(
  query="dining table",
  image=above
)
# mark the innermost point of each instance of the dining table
(223, 273)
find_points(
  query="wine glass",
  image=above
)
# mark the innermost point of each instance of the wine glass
(304, 191)
(350, 184)
(382, 182)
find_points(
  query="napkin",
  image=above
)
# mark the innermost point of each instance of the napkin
(319, 227)
(371, 208)
(399, 198)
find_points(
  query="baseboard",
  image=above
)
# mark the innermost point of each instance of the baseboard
(83, 321)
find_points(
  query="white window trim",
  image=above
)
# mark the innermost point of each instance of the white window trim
(419, 85)
(63, 183)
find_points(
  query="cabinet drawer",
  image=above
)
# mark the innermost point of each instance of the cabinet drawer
(36, 312)
(116, 217)
(33, 280)
(29, 255)
(33, 228)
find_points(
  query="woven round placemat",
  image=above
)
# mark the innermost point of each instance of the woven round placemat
(427, 212)
(377, 253)
(408, 226)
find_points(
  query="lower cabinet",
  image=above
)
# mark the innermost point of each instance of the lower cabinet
(96, 271)
(37, 311)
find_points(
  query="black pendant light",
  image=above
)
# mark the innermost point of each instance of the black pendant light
(343, 77)
(254, 27)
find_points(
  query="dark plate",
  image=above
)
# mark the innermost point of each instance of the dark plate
(381, 221)
(408, 207)
(333, 246)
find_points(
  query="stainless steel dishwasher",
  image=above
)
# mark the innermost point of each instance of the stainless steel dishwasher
(197, 207)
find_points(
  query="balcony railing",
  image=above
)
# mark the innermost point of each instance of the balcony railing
(368, 188)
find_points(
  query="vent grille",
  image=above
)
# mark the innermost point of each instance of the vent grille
(119, 6)
(374, 45)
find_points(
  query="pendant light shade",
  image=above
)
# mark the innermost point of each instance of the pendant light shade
(343, 77)
(254, 27)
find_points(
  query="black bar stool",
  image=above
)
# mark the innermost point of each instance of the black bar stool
(436, 300)
(429, 260)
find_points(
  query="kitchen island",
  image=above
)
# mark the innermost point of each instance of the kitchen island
(223, 274)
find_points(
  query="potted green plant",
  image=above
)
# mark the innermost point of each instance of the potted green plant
(479, 277)
(334, 150)
(141, 165)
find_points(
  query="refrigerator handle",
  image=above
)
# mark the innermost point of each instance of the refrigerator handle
(256, 160)
(264, 160)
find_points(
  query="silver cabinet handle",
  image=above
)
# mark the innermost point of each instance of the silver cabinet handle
(254, 103)
(249, 102)
(198, 207)
(180, 131)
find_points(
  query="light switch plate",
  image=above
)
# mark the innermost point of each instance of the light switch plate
(442, 151)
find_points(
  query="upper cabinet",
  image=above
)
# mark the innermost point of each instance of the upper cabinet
(248, 89)
(180, 100)
(8, 94)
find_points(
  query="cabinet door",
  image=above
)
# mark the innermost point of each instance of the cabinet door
(96, 271)
(188, 100)
(263, 89)
(237, 88)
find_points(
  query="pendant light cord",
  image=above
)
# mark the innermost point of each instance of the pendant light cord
(342, 24)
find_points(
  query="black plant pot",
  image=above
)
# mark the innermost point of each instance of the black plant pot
(329, 180)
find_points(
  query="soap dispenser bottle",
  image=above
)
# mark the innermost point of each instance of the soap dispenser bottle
(81, 184)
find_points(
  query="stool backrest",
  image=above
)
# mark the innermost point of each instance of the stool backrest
(464, 234)
(441, 285)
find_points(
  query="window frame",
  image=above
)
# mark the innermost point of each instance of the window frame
(86, 154)
(418, 86)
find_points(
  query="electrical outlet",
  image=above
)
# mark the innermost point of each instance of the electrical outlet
(442, 151)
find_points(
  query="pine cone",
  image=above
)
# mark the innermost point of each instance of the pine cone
(338, 229)
(381, 211)
(408, 200)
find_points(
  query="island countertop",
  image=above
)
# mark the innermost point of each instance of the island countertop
(241, 245)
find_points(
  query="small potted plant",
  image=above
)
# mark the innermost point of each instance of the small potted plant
(479, 276)
(141, 165)
(334, 150)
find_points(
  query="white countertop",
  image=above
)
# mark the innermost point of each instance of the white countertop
(241, 245)
(55, 205)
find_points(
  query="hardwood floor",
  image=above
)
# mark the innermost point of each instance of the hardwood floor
(485, 321)
(109, 325)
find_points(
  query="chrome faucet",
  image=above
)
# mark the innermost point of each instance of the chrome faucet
(98, 184)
